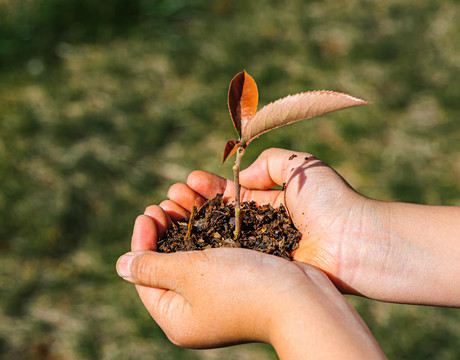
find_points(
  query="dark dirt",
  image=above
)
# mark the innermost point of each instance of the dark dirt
(263, 228)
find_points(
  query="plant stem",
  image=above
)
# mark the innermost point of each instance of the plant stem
(236, 178)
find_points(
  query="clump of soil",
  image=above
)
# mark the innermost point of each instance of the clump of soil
(263, 228)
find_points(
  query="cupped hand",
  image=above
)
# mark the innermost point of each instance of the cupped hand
(201, 299)
(217, 297)
(214, 297)
(330, 214)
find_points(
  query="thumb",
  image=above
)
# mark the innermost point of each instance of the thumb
(272, 167)
(152, 269)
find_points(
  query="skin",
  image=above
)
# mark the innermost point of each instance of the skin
(388, 251)
(219, 297)
(382, 250)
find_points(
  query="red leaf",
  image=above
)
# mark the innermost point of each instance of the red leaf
(295, 108)
(230, 149)
(242, 99)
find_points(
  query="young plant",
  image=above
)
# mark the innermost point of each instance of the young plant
(250, 123)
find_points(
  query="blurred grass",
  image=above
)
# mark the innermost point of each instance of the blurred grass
(103, 105)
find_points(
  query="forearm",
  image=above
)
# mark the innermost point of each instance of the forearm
(418, 256)
(323, 328)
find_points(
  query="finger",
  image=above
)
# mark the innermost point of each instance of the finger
(175, 211)
(272, 167)
(157, 301)
(209, 185)
(160, 217)
(144, 234)
(185, 197)
(158, 270)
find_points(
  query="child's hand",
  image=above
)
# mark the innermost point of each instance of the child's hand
(386, 251)
(324, 208)
(217, 297)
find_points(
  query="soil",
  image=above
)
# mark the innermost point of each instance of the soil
(263, 228)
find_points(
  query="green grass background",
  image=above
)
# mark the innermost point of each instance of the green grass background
(103, 105)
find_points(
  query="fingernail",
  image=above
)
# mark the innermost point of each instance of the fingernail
(123, 265)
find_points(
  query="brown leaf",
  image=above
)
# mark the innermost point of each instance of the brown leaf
(242, 99)
(295, 108)
(230, 149)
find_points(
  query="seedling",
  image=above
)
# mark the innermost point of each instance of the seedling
(250, 123)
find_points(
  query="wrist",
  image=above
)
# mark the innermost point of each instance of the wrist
(363, 246)
(320, 323)
(398, 258)
(374, 265)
